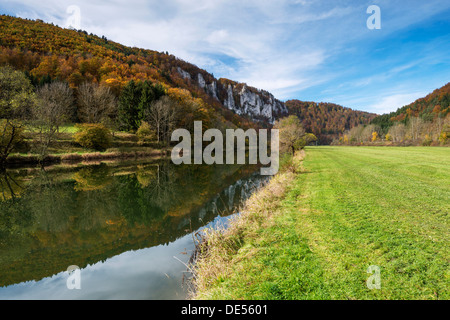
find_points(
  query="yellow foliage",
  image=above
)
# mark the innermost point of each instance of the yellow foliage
(374, 136)
(443, 137)
(346, 140)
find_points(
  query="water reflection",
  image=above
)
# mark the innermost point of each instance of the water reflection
(121, 223)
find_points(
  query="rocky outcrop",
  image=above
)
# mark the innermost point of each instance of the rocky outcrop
(259, 105)
(184, 74)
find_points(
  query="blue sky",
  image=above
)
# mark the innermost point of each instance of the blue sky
(312, 50)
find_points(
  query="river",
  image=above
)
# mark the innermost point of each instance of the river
(129, 227)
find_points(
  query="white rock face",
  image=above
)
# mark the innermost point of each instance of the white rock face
(250, 102)
(229, 100)
(184, 74)
(259, 105)
(212, 90)
(201, 81)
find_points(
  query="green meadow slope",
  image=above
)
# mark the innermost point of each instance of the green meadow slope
(351, 208)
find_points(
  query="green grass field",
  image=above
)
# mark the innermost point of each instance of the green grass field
(352, 208)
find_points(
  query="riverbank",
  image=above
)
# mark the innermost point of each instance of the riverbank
(221, 251)
(64, 149)
(17, 160)
(314, 233)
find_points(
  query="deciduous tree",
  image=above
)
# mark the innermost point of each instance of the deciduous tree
(291, 133)
(162, 116)
(96, 103)
(17, 99)
(54, 107)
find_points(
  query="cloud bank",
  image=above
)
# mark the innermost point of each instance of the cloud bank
(304, 49)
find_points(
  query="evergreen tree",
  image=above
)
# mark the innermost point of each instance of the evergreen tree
(46, 79)
(147, 97)
(150, 93)
(158, 91)
(129, 105)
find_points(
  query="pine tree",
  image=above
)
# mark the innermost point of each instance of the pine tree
(147, 98)
(129, 101)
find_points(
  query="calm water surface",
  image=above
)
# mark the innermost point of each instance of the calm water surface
(128, 226)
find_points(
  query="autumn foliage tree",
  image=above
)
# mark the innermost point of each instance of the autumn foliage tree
(292, 134)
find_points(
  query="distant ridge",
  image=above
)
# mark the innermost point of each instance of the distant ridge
(327, 120)
(436, 104)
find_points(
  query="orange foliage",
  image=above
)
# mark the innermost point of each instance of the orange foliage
(44, 50)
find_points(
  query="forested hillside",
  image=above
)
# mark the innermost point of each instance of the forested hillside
(426, 122)
(46, 53)
(137, 78)
(433, 106)
(327, 120)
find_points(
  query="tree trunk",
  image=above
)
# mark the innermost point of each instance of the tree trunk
(3, 162)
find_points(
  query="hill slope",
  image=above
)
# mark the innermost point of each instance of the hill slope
(45, 51)
(436, 104)
(327, 120)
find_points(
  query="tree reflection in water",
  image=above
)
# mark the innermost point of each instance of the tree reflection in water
(56, 217)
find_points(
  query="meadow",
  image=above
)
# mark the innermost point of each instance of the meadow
(344, 210)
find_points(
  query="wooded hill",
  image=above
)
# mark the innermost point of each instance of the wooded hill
(46, 52)
(425, 122)
(433, 106)
(327, 120)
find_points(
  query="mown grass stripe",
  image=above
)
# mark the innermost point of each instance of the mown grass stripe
(352, 208)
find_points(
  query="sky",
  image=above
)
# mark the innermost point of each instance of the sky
(311, 50)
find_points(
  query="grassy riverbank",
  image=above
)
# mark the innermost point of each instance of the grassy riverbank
(63, 148)
(313, 234)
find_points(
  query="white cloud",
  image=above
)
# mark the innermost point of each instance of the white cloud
(241, 30)
(285, 46)
(391, 103)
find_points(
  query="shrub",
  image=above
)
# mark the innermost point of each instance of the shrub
(427, 141)
(443, 138)
(290, 163)
(145, 132)
(93, 136)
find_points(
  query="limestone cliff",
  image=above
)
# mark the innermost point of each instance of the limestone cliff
(259, 105)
